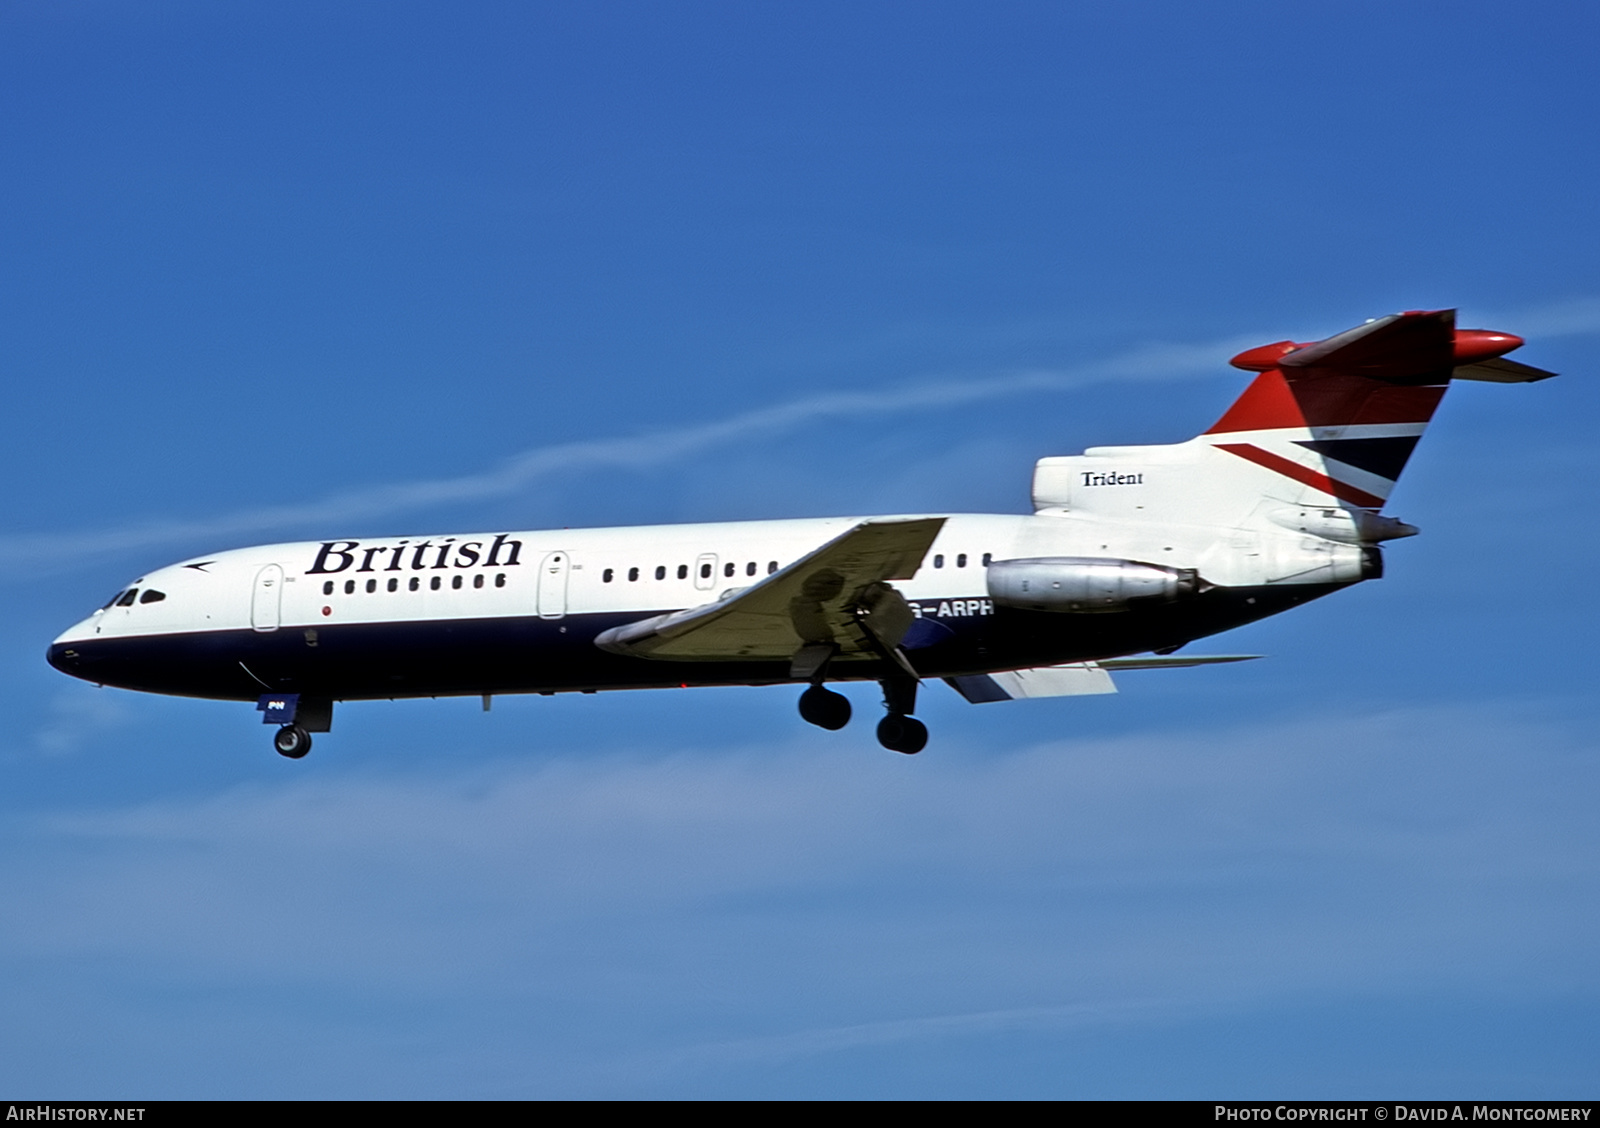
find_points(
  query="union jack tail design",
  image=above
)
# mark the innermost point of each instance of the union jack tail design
(1342, 416)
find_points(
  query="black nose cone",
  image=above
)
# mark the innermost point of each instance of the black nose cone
(65, 658)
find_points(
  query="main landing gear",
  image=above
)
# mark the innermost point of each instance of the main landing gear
(898, 732)
(292, 741)
(824, 708)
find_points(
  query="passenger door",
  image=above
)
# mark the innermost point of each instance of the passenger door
(552, 596)
(266, 599)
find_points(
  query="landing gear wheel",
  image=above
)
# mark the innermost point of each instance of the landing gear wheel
(899, 733)
(292, 741)
(825, 708)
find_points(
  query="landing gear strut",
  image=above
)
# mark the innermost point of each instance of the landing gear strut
(825, 708)
(900, 732)
(292, 741)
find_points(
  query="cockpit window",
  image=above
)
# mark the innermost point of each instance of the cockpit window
(151, 595)
(128, 597)
(110, 601)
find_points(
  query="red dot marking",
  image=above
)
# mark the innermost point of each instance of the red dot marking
(327, 610)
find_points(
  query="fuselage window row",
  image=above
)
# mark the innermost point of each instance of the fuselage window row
(125, 599)
(730, 569)
(415, 584)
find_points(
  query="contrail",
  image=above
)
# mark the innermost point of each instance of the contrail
(32, 553)
(778, 1048)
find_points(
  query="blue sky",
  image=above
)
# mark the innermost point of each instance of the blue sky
(292, 271)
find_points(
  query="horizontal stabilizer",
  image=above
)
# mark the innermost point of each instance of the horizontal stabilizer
(1501, 371)
(1403, 346)
(1078, 679)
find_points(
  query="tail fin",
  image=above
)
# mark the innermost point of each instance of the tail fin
(1328, 425)
(1343, 415)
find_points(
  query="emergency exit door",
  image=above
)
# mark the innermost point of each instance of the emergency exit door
(705, 572)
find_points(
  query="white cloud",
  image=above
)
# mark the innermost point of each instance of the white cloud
(785, 901)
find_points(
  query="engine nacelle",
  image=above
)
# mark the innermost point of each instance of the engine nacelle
(1086, 584)
(1348, 526)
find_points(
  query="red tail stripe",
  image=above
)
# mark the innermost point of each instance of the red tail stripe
(1274, 400)
(1302, 474)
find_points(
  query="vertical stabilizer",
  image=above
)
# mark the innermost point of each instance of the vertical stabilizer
(1341, 417)
(1326, 425)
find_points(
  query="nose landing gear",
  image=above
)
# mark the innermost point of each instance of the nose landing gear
(292, 741)
(298, 716)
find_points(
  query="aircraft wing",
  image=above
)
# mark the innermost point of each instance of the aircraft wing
(832, 601)
(1075, 679)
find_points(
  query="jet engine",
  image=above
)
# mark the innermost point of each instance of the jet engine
(1086, 584)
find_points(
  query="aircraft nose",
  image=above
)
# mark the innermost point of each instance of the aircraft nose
(63, 657)
(66, 653)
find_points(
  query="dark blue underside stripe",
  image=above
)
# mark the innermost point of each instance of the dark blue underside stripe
(531, 655)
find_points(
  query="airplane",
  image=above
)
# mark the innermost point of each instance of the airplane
(1130, 553)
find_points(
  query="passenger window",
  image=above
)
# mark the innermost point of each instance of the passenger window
(500, 579)
(605, 577)
(661, 573)
(986, 559)
(394, 585)
(349, 587)
(727, 569)
(455, 582)
(705, 571)
(938, 561)
(433, 584)
(128, 597)
(477, 581)
(414, 584)
(961, 560)
(327, 588)
(633, 574)
(772, 566)
(750, 568)
(372, 586)
(683, 571)
(152, 596)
